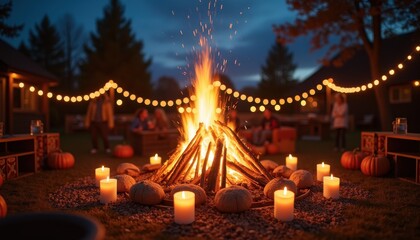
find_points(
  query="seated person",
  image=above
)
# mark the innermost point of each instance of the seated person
(141, 121)
(263, 133)
(233, 121)
(161, 122)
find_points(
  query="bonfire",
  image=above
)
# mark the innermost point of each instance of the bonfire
(211, 154)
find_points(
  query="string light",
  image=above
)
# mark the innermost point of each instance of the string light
(243, 97)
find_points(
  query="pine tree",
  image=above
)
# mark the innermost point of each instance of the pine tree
(277, 74)
(6, 29)
(45, 47)
(115, 54)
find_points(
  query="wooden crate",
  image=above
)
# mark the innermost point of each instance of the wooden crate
(149, 143)
(368, 142)
(9, 167)
(45, 143)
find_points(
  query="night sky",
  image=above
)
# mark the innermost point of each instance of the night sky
(241, 32)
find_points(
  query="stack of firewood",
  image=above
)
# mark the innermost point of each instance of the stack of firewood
(189, 165)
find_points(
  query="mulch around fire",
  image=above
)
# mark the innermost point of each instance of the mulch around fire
(313, 213)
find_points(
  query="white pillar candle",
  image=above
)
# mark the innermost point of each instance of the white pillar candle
(331, 187)
(101, 173)
(184, 207)
(155, 159)
(291, 162)
(322, 170)
(284, 204)
(108, 190)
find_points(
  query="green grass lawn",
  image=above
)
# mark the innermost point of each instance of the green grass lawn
(391, 212)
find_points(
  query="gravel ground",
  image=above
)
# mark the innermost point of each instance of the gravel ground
(312, 213)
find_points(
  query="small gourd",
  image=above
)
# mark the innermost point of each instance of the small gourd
(278, 184)
(147, 193)
(124, 182)
(302, 178)
(129, 169)
(270, 165)
(282, 171)
(233, 199)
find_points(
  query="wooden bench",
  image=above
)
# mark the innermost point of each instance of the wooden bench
(148, 143)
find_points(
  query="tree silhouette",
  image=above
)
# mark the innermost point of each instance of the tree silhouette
(277, 73)
(351, 24)
(45, 47)
(115, 54)
(6, 29)
(73, 38)
(167, 88)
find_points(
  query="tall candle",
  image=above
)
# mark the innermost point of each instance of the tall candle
(291, 162)
(284, 204)
(101, 173)
(108, 190)
(322, 170)
(155, 159)
(331, 187)
(184, 207)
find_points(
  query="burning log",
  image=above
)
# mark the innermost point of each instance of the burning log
(223, 184)
(215, 167)
(211, 171)
(203, 176)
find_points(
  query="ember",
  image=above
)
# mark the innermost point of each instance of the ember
(212, 155)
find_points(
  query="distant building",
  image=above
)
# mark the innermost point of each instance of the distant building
(403, 90)
(18, 106)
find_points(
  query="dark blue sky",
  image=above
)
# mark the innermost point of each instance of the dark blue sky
(241, 31)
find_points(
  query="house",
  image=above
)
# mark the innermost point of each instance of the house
(18, 106)
(403, 87)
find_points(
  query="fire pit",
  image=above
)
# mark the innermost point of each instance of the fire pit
(210, 154)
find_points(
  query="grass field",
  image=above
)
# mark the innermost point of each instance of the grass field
(391, 212)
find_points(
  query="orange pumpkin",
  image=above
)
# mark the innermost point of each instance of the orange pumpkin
(123, 151)
(352, 159)
(273, 148)
(375, 165)
(3, 207)
(60, 160)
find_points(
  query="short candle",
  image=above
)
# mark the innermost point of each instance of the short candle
(101, 173)
(331, 187)
(155, 159)
(284, 204)
(322, 170)
(108, 190)
(291, 162)
(184, 207)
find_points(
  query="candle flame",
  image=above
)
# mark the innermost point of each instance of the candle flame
(290, 155)
(285, 191)
(183, 194)
(107, 178)
(103, 168)
(156, 156)
(322, 164)
(332, 177)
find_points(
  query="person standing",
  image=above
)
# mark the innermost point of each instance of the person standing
(339, 116)
(100, 120)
